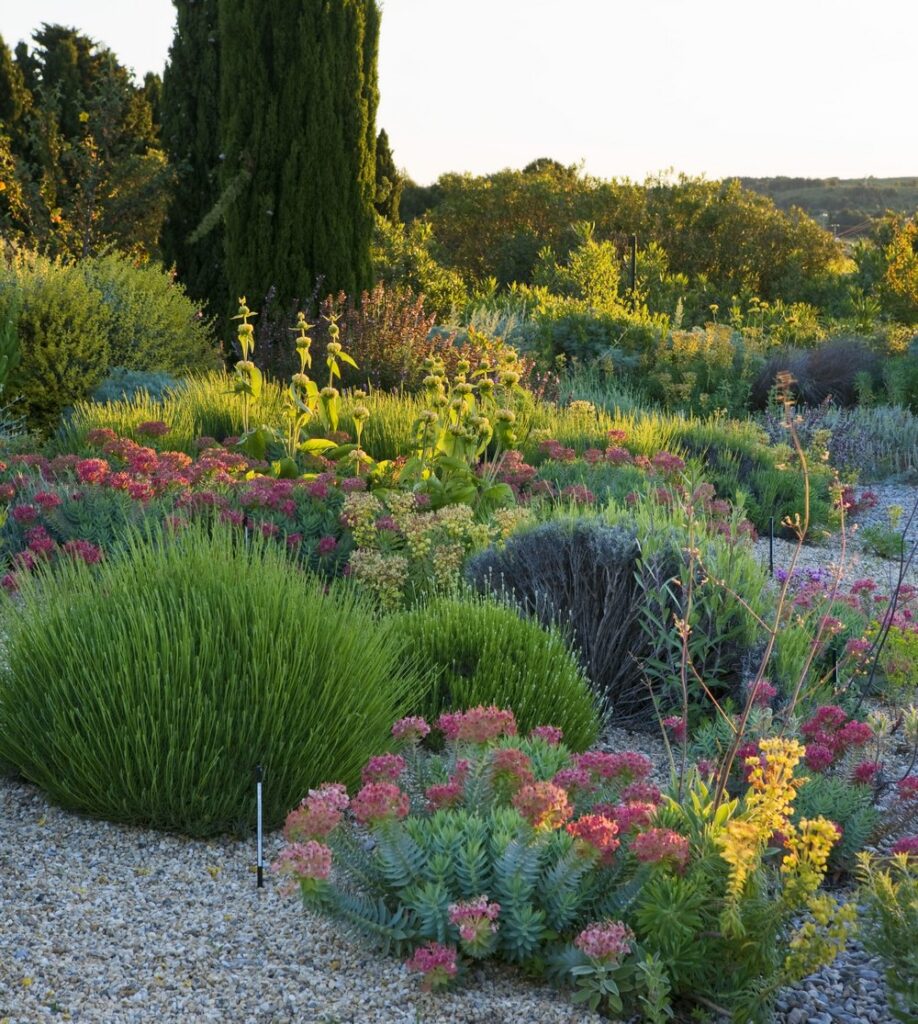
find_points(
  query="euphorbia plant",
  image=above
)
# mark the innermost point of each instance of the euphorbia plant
(574, 866)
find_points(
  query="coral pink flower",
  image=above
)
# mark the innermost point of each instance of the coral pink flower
(907, 788)
(410, 730)
(628, 766)
(25, 513)
(379, 801)
(300, 862)
(91, 471)
(477, 922)
(631, 815)
(598, 833)
(317, 816)
(512, 766)
(477, 725)
(544, 805)
(153, 428)
(437, 963)
(83, 550)
(907, 845)
(606, 941)
(677, 726)
(659, 845)
(383, 768)
(46, 499)
(865, 772)
(642, 792)
(551, 734)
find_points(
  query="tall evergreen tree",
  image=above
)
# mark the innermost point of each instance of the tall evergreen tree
(298, 102)
(389, 183)
(79, 149)
(191, 136)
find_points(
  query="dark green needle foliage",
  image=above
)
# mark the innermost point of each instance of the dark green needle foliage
(298, 98)
(146, 689)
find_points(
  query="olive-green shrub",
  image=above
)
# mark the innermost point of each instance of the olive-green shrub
(62, 327)
(481, 652)
(147, 689)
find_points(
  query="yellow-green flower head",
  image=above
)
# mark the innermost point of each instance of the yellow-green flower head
(464, 389)
(429, 363)
(486, 385)
(300, 380)
(456, 404)
(439, 401)
(428, 416)
(509, 377)
(361, 413)
(246, 365)
(457, 430)
(430, 381)
(329, 392)
(245, 329)
(508, 357)
(333, 330)
(358, 394)
(505, 416)
(333, 348)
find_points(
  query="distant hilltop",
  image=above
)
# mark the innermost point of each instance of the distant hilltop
(847, 206)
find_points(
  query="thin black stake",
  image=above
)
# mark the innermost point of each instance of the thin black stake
(771, 545)
(260, 861)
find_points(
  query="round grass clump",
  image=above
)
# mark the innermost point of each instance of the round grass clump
(147, 689)
(480, 652)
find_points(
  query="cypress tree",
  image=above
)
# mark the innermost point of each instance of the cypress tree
(389, 182)
(298, 105)
(191, 136)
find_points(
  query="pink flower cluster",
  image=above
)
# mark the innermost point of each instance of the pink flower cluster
(829, 735)
(383, 768)
(318, 815)
(907, 788)
(865, 773)
(763, 694)
(410, 730)
(631, 815)
(477, 725)
(551, 734)
(436, 962)
(309, 861)
(512, 766)
(661, 845)
(596, 833)
(377, 802)
(677, 727)
(606, 941)
(476, 920)
(907, 845)
(544, 805)
(452, 792)
(628, 766)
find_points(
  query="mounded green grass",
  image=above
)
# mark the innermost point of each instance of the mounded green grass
(148, 688)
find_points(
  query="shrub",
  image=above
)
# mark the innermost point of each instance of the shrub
(146, 689)
(152, 324)
(829, 371)
(579, 576)
(479, 652)
(123, 385)
(63, 328)
(889, 923)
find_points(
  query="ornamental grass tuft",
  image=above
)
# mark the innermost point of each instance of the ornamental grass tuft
(147, 688)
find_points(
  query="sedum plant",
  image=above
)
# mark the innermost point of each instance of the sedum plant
(572, 867)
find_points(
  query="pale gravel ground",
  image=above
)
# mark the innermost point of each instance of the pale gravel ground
(114, 925)
(858, 563)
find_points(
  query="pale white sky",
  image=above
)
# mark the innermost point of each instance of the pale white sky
(630, 87)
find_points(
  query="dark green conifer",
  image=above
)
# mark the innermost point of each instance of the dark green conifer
(389, 182)
(298, 105)
(191, 137)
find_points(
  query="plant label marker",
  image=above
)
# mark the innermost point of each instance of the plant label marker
(259, 858)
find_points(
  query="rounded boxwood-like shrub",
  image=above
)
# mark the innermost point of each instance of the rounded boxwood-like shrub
(148, 688)
(482, 652)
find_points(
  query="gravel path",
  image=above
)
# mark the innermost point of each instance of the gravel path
(108, 924)
(858, 563)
